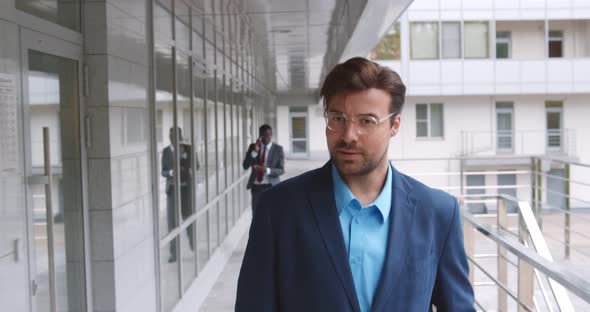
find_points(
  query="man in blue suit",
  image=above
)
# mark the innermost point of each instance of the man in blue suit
(356, 235)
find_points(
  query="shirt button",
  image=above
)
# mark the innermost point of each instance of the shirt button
(357, 220)
(355, 260)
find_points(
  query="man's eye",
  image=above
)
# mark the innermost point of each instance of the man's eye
(338, 119)
(367, 122)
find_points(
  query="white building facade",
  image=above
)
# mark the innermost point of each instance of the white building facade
(493, 82)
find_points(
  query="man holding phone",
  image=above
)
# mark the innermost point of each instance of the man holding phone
(267, 161)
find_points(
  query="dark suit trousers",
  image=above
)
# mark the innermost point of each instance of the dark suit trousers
(185, 208)
(256, 190)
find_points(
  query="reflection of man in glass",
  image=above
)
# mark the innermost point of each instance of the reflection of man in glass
(185, 186)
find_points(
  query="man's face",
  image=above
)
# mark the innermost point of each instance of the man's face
(266, 136)
(357, 154)
(171, 136)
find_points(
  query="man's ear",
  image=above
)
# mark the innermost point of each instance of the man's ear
(395, 127)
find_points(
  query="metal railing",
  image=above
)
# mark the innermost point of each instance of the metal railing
(519, 142)
(533, 263)
(523, 231)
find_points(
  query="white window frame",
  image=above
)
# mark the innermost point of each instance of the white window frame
(487, 39)
(555, 39)
(505, 110)
(437, 41)
(442, 41)
(560, 133)
(428, 121)
(507, 41)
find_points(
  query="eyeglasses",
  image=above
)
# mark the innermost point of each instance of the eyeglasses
(364, 124)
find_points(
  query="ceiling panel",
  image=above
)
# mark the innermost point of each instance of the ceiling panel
(297, 36)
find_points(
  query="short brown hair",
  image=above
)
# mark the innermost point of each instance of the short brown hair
(358, 74)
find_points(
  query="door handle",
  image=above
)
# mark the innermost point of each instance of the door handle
(49, 217)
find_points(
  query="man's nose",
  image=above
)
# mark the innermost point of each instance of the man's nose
(350, 132)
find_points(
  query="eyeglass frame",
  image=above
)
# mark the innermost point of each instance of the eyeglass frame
(347, 119)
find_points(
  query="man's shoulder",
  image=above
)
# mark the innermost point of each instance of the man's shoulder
(428, 197)
(297, 184)
(277, 146)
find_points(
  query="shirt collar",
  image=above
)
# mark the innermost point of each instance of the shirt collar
(344, 196)
(268, 145)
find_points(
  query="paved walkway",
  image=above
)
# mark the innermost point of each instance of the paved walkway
(223, 294)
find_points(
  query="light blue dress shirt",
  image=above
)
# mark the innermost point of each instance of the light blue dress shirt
(365, 231)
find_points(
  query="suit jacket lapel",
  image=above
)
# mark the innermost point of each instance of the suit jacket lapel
(270, 155)
(401, 221)
(324, 207)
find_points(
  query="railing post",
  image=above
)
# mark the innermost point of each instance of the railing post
(502, 222)
(525, 274)
(534, 185)
(539, 193)
(469, 243)
(567, 211)
(462, 175)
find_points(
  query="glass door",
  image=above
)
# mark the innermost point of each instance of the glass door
(554, 129)
(53, 165)
(298, 130)
(504, 127)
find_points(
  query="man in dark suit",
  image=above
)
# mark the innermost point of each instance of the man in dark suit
(186, 208)
(267, 161)
(356, 234)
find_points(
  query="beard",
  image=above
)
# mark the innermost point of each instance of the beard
(360, 167)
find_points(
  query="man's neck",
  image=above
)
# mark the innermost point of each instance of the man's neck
(366, 188)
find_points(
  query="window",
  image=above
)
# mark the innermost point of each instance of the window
(451, 40)
(503, 45)
(554, 125)
(429, 120)
(298, 121)
(389, 48)
(424, 40)
(555, 43)
(64, 13)
(504, 126)
(476, 39)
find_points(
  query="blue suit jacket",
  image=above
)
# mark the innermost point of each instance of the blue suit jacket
(296, 259)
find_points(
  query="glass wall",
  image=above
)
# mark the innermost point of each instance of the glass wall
(64, 13)
(202, 119)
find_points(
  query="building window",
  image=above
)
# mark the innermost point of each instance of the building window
(554, 125)
(503, 45)
(451, 40)
(476, 39)
(555, 43)
(429, 120)
(298, 127)
(424, 40)
(63, 13)
(504, 126)
(389, 48)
